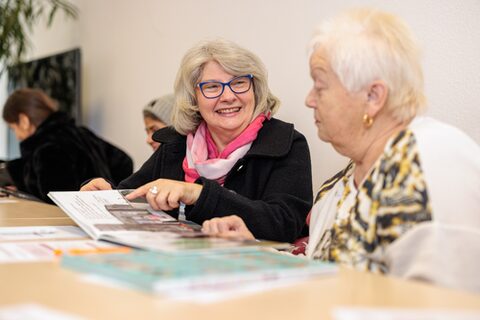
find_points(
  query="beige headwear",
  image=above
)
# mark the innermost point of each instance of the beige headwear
(161, 108)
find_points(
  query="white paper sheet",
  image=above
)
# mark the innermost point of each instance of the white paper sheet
(8, 201)
(34, 312)
(41, 233)
(347, 313)
(14, 252)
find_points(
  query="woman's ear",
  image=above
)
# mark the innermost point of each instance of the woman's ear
(26, 125)
(377, 95)
(24, 121)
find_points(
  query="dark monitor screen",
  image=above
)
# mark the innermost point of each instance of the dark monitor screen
(58, 75)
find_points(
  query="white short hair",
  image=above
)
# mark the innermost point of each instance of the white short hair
(364, 45)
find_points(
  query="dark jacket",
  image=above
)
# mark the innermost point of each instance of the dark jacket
(59, 156)
(270, 187)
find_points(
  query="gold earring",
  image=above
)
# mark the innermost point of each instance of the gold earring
(367, 120)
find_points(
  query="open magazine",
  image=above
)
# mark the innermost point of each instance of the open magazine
(107, 215)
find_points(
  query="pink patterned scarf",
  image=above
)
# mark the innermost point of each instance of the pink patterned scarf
(204, 160)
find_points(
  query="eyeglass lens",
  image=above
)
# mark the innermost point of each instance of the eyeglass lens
(214, 89)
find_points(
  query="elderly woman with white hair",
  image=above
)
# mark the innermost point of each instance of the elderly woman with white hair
(225, 153)
(405, 170)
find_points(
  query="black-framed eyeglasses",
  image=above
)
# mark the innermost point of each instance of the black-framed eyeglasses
(214, 89)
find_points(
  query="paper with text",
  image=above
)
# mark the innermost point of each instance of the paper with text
(41, 233)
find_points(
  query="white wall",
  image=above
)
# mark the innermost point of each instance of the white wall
(132, 49)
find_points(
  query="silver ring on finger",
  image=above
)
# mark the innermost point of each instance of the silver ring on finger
(153, 190)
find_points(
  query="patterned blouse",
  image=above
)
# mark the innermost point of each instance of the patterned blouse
(355, 222)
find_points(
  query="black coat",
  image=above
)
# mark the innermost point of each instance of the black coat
(270, 187)
(59, 156)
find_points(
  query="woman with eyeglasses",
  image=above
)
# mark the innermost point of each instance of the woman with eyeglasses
(226, 154)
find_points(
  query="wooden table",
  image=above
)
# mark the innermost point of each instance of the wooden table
(30, 213)
(51, 285)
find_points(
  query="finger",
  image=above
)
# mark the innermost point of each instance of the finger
(225, 224)
(102, 184)
(234, 227)
(139, 192)
(150, 197)
(86, 187)
(230, 223)
(213, 226)
(96, 184)
(173, 199)
(162, 200)
(206, 227)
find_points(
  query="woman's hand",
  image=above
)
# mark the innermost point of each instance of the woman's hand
(164, 194)
(96, 184)
(227, 227)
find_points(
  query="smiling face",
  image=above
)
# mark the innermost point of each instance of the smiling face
(337, 112)
(229, 114)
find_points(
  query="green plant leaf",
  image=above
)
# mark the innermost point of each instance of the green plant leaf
(19, 16)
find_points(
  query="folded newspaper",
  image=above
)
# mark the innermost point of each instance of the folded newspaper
(107, 215)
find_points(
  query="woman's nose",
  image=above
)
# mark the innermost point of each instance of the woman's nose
(227, 94)
(149, 139)
(310, 101)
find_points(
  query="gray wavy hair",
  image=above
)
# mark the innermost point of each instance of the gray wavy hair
(234, 60)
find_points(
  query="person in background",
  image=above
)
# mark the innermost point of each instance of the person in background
(56, 155)
(408, 202)
(225, 153)
(157, 115)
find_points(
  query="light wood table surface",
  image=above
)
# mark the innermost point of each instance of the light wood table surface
(61, 289)
(30, 213)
